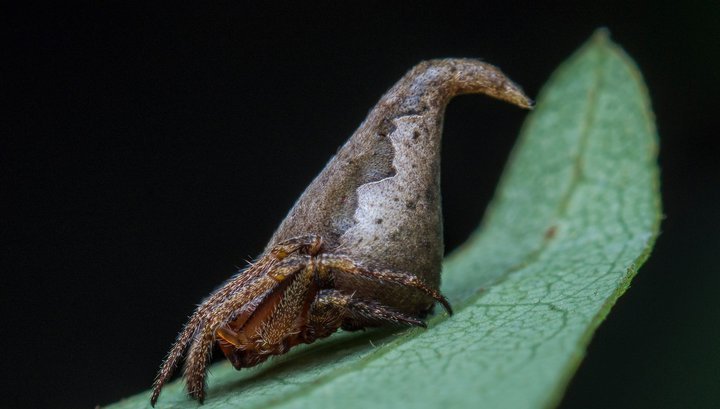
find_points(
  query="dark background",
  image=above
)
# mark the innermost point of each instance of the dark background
(149, 150)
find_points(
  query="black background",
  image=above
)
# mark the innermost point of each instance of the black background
(150, 150)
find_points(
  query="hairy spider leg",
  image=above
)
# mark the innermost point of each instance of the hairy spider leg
(279, 321)
(345, 264)
(310, 243)
(199, 316)
(333, 309)
(199, 352)
(196, 334)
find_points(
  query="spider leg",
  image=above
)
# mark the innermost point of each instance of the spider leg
(327, 262)
(332, 307)
(188, 332)
(291, 311)
(196, 362)
(227, 337)
(371, 311)
(311, 242)
(170, 363)
(288, 267)
(198, 355)
(199, 352)
(198, 335)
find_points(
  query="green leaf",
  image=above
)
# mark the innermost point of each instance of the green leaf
(576, 214)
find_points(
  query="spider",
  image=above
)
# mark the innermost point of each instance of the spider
(361, 248)
(286, 298)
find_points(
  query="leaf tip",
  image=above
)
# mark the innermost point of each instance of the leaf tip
(601, 36)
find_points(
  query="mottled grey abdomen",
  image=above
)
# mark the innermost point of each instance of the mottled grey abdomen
(378, 200)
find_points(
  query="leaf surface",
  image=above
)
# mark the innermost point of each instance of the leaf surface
(576, 213)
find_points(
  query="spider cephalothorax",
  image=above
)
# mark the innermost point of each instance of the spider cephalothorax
(362, 246)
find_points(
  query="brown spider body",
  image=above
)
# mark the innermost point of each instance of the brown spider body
(362, 247)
